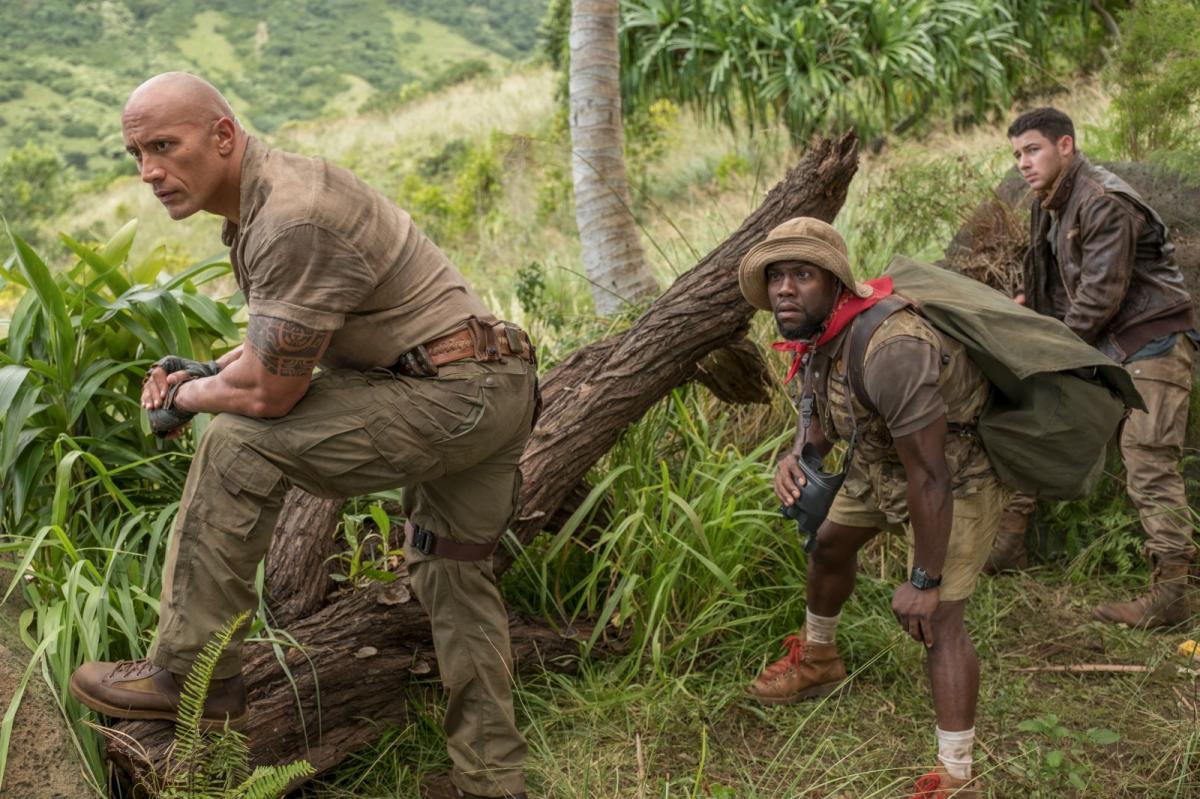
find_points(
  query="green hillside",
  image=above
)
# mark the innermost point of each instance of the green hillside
(66, 67)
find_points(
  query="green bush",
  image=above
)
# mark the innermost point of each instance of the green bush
(1157, 77)
(912, 209)
(454, 209)
(34, 184)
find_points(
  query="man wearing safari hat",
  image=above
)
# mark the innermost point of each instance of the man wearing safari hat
(907, 411)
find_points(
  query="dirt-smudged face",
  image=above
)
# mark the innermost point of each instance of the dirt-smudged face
(1040, 160)
(802, 296)
(184, 160)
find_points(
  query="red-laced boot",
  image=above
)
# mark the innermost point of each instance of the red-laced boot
(807, 671)
(938, 784)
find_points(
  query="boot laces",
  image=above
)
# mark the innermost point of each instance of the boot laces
(928, 786)
(132, 668)
(795, 646)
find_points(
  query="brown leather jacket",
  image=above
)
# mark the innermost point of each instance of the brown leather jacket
(1114, 280)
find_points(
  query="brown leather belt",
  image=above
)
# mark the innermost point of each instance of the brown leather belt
(483, 341)
(425, 542)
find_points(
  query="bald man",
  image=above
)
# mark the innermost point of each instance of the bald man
(420, 387)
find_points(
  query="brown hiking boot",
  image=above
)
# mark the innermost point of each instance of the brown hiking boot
(441, 787)
(807, 671)
(1166, 604)
(137, 689)
(1008, 551)
(938, 784)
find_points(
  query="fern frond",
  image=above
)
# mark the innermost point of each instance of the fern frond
(188, 740)
(227, 759)
(269, 782)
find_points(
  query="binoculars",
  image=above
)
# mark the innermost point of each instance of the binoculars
(816, 496)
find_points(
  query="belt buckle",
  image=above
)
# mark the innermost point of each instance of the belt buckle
(423, 540)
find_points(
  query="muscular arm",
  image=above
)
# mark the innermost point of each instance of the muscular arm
(930, 511)
(930, 501)
(1108, 236)
(267, 376)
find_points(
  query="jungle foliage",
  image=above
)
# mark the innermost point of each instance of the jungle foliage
(1156, 73)
(818, 67)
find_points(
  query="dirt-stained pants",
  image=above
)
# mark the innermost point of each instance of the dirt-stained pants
(454, 443)
(1152, 446)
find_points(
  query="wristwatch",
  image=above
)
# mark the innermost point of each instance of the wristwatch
(922, 581)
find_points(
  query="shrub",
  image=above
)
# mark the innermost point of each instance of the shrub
(1157, 75)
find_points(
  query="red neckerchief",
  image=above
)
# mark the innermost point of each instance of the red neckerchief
(847, 307)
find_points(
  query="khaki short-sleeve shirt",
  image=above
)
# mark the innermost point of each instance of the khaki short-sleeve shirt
(318, 247)
(913, 374)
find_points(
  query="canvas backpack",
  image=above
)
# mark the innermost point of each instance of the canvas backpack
(1055, 401)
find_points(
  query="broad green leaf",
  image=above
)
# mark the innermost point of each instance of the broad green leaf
(382, 520)
(96, 374)
(31, 551)
(51, 298)
(63, 487)
(11, 378)
(13, 435)
(107, 271)
(21, 326)
(202, 271)
(116, 250)
(212, 314)
(151, 266)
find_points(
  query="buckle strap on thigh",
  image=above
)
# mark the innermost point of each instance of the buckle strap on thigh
(427, 543)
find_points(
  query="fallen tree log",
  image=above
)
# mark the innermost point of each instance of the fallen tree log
(607, 386)
(350, 656)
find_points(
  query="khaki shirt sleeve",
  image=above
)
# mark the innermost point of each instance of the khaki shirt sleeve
(901, 379)
(309, 276)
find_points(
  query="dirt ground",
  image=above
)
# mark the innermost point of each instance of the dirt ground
(42, 760)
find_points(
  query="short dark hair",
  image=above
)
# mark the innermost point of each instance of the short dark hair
(1050, 122)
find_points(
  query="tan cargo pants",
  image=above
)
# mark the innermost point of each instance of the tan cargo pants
(1152, 446)
(454, 443)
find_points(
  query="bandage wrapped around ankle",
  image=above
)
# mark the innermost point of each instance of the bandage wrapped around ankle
(167, 418)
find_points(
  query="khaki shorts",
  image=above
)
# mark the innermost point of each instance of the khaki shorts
(976, 519)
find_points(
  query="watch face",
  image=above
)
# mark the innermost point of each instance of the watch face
(923, 581)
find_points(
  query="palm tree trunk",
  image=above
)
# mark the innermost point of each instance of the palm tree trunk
(612, 251)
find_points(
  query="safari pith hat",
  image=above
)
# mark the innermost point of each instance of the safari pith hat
(802, 238)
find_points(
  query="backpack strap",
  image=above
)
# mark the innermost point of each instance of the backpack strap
(861, 330)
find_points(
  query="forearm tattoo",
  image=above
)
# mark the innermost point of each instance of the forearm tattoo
(287, 349)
